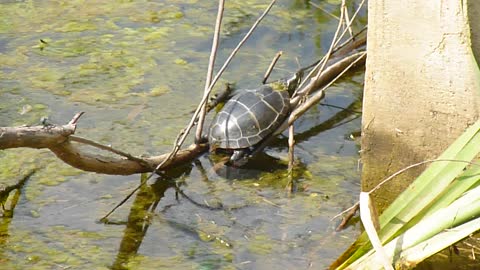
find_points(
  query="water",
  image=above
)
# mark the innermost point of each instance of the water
(137, 70)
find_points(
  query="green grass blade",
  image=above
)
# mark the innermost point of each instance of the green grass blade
(423, 250)
(464, 148)
(430, 184)
(467, 180)
(421, 193)
(462, 210)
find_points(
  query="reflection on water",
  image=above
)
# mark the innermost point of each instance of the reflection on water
(136, 69)
(260, 163)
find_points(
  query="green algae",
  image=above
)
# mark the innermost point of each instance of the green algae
(156, 34)
(77, 249)
(261, 244)
(159, 90)
(137, 69)
(180, 62)
(49, 171)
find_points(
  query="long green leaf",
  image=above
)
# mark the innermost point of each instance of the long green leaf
(425, 249)
(468, 179)
(463, 209)
(421, 193)
(431, 183)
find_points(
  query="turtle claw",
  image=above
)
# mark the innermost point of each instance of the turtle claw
(203, 139)
(239, 157)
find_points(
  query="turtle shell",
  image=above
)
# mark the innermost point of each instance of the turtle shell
(248, 117)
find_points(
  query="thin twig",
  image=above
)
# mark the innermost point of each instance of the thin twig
(104, 219)
(402, 171)
(270, 68)
(291, 159)
(211, 65)
(350, 213)
(324, 60)
(338, 47)
(319, 95)
(324, 10)
(234, 52)
(348, 22)
(339, 107)
(419, 164)
(291, 145)
(352, 208)
(351, 21)
(186, 131)
(107, 148)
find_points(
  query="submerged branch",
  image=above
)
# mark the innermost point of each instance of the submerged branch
(7, 202)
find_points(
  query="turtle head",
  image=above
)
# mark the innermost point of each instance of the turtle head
(290, 84)
(294, 82)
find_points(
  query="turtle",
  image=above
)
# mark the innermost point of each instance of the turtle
(250, 116)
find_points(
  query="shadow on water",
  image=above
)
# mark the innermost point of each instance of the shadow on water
(260, 163)
(144, 209)
(342, 117)
(139, 220)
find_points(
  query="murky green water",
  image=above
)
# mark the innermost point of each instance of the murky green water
(137, 69)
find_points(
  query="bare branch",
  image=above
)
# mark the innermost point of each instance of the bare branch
(321, 65)
(344, 64)
(348, 24)
(211, 64)
(333, 48)
(389, 178)
(291, 148)
(270, 68)
(60, 139)
(347, 27)
(81, 159)
(186, 131)
(107, 148)
(34, 137)
(75, 118)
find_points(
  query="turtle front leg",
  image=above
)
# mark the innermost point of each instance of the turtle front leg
(203, 139)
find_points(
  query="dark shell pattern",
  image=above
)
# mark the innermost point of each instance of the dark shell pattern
(249, 117)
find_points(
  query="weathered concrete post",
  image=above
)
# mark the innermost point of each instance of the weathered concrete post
(421, 86)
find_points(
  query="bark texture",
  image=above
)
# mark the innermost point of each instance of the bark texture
(421, 86)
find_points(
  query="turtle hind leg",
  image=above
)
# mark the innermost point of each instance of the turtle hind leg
(240, 157)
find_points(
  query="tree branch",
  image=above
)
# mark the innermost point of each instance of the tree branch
(87, 161)
(70, 148)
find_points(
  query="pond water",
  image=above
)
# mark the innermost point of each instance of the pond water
(137, 69)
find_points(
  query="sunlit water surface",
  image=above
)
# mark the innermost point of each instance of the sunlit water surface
(137, 69)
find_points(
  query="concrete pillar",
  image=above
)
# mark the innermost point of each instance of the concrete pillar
(421, 86)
